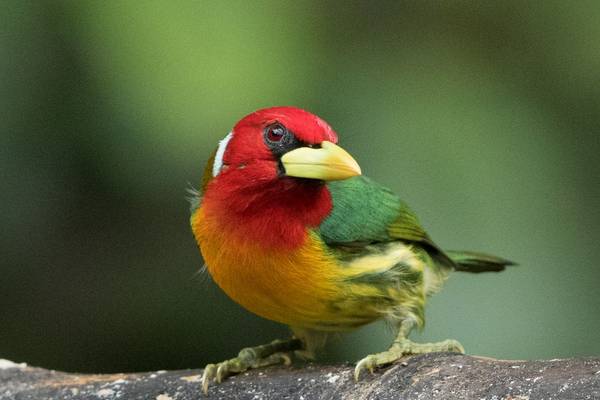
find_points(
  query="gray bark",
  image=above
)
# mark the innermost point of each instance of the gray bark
(430, 376)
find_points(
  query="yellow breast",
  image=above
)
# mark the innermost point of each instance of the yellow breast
(308, 287)
(292, 287)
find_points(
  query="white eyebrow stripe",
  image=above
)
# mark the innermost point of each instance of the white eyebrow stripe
(218, 164)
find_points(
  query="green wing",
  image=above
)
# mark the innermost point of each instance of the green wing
(366, 212)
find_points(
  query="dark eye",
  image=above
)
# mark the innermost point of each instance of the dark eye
(275, 133)
(279, 139)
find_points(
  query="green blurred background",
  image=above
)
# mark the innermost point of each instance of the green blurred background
(484, 117)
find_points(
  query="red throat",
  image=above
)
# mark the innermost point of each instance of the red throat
(254, 204)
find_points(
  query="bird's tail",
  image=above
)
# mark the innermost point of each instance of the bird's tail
(470, 261)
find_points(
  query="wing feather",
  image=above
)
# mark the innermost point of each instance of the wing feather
(365, 212)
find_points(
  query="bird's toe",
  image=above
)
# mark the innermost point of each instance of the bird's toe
(209, 374)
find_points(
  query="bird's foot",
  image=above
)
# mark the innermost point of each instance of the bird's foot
(402, 348)
(276, 352)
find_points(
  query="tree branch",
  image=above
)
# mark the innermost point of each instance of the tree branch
(430, 376)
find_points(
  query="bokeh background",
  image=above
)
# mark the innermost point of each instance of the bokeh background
(484, 116)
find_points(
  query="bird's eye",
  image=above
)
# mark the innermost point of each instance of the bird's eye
(275, 133)
(279, 139)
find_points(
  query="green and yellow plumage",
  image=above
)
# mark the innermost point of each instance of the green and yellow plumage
(386, 259)
(329, 253)
(369, 259)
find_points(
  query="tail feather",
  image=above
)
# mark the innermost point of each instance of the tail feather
(470, 261)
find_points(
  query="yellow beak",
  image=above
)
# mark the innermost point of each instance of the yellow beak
(328, 163)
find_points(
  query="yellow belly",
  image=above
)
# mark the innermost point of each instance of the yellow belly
(307, 287)
(292, 287)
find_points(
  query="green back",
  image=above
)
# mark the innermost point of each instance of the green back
(366, 212)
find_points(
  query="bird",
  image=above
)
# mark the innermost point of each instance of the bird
(290, 229)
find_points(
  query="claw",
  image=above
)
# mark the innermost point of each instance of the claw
(222, 372)
(287, 360)
(209, 373)
(365, 363)
(455, 346)
(357, 370)
(401, 348)
(276, 352)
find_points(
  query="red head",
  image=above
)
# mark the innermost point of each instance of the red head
(268, 174)
(248, 142)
